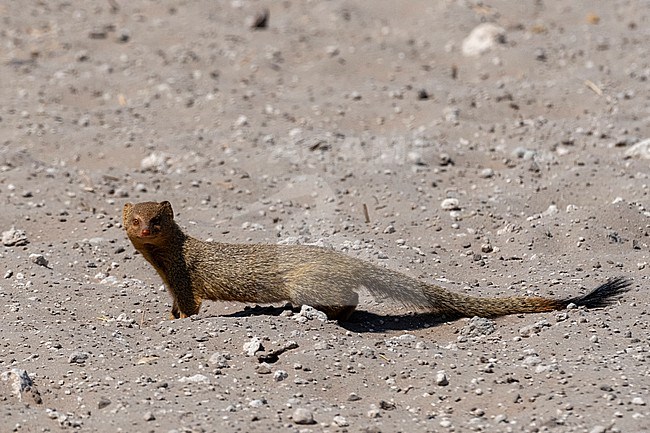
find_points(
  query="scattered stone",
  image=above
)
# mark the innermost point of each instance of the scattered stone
(638, 401)
(415, 158)
(310, 313)
(219, 359)
(486, 173)
(272, 355)
(257, 403)
(149, 416)
(14, 237)
(641, 150)
(98, 33)
(441, 378)
(78, 357)
(123, 36)
(263, 368)
(387, 405)
(340, 421)
(303, 416)
(549, 212)
(406, 340)
(389, 229)
(450, 204)
(253, 346)
(155, 162)
(21, 385)
(523, 153)
(373, 413)
(535, 328)
(451, 114)
(483, 38)
(103, 402)
(477, 327)
(353, 397)
(260, 20)
(39, 259)
(532, 360)
(197, 378)
(280, 375)
(423, 95)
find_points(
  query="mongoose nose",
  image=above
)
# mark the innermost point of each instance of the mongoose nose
(145, 232)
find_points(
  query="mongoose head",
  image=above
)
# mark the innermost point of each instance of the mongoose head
(148, 222)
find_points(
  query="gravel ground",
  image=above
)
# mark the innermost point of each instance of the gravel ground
(499, 149)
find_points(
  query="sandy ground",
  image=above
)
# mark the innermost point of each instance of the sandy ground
(284, 133)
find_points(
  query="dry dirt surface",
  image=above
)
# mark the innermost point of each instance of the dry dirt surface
(516, 166)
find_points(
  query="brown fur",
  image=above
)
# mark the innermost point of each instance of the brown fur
(194, 270)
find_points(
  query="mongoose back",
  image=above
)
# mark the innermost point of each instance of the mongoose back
(194, 270)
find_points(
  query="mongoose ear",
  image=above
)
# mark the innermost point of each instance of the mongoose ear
(166, 208)
(126, 213)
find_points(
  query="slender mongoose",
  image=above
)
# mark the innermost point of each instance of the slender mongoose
(194, 270)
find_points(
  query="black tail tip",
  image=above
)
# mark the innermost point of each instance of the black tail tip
(603, 295)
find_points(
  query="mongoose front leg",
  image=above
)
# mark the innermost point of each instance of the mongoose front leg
(175, 313)
(188, 307)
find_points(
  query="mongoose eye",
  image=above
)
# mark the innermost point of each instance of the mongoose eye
(136, 222)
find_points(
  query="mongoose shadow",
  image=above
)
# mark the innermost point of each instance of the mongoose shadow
(360, 321)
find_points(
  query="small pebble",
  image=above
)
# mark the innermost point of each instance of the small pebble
(78, 357)
(14, 237)
(280, 375)
(263, 368)
(252, 346)
(353, 397)
(450, 204)
(441, 378)
(258, 402)
(486, 173)
(39, 259)
(340, 421)
(303, 416)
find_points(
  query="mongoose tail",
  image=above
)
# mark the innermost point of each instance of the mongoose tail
(469, 306)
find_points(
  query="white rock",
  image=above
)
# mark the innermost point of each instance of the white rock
(14, 237)
(197, 378)
(21, 381)
(311, 313)
(78, 357)
(156, 162)
(641, 149)
(39, 259)
(441, 378)
(252, 346)
(450, 204)
(280, 375)
(303, 416)
(483, 38)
